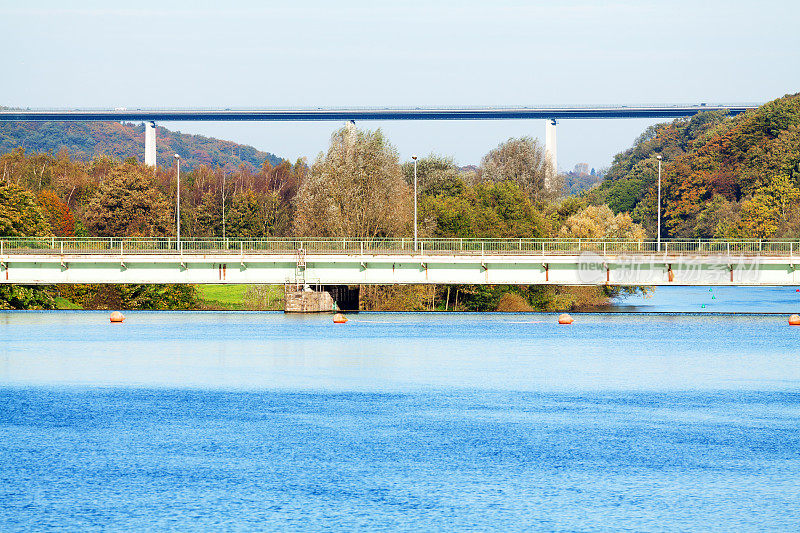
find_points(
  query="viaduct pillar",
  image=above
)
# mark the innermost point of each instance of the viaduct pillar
(150, 144)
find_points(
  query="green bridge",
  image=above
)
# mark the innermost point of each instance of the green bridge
(346, 261)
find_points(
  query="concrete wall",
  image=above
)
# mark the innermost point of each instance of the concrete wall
(307, 302)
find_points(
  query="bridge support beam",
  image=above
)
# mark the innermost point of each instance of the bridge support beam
(150, 144)
(550, 151)
(401, 268)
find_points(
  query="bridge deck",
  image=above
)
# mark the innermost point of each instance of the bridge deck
(372, 113)
(390, 261)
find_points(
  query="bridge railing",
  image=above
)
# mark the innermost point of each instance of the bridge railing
(401, 246)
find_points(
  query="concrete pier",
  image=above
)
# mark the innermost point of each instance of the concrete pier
(308, 302)
(150, 144)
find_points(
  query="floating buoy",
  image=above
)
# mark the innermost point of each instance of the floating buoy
(339, 318)
(116, 316)
(565, 319)
(794, 320)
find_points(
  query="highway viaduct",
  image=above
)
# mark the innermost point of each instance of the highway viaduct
(550, 114)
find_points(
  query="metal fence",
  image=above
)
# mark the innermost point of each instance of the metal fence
(124, 246)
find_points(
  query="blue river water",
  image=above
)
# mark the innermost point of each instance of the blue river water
(262, 421)
(715, 300)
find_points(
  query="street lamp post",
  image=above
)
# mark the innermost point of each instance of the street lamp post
(415, 201)
(224, 179)
(178, 201)
(658, 230)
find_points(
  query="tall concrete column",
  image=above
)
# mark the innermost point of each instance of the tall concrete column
(550, 150)
(150, 144)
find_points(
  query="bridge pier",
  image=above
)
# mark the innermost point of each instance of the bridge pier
(150, 144)
(550, 151)
(307, 301)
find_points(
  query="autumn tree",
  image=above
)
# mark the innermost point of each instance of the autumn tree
(599, 222)
(356, 189)
(20, 216)
(283, 179)
(768, 211)
(127, 203)
(57, 213)
(521, 161)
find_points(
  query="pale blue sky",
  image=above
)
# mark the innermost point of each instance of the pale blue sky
(350, 53)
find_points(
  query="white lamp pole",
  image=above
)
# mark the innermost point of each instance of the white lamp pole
(178, 201)
(224, 179)
(658, 231)
(415, 201)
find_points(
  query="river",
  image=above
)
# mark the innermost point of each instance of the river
(621, 421)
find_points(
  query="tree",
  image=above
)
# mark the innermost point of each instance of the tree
(768, 211)
(521, 161)
(57, 213)
(126, 296)
(356, 189)
(505, 211)
(599, 222)
(128, 204)
(284, 179)
(20, 216)
(485, 210)
(25, 297)
(759, 217)
(436, 175)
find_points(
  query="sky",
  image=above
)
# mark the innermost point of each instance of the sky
(414, 53)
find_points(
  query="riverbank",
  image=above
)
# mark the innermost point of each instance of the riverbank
(410, 299)
(142, 297)
(241, 297)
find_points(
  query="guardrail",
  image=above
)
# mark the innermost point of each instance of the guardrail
(403, 246)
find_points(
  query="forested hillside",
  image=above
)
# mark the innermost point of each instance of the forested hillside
(722, 176)
(87, 140)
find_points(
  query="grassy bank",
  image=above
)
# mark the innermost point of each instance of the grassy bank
(241, 297)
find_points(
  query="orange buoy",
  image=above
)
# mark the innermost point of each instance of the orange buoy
(339, 318)
(116, 316)
(565, 319)
(794, 320)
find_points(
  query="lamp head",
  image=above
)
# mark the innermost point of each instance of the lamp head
(414, 157)
(177, 156)
(658, 157)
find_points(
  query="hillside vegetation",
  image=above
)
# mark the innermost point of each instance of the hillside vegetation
(721, 176)
(120, 141)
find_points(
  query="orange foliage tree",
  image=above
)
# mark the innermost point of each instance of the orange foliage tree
(57, 213)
